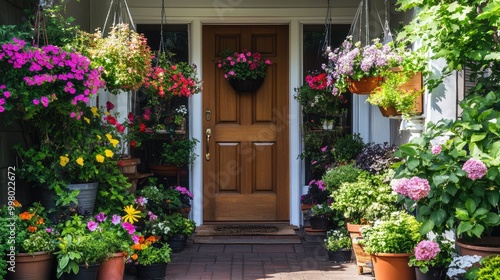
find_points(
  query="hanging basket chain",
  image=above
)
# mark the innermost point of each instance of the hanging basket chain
(118, 15)
(40, 24)
(328, 28)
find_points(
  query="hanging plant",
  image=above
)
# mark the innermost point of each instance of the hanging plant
(124, 56)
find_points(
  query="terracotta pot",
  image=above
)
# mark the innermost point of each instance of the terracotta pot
(248, 85)
(112, 269)
(354, 229)
(34, 267)
(389, 111)
(485, 246)
(434, 273)
(306, 206)
(389, 266)
(364, 86)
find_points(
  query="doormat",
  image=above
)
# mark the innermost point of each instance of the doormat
(246, 234)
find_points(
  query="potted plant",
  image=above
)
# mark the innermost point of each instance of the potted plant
(391, 242)
(82, 249)
(353, 63)
(324, 217)
(432, 258)
(316, 97)
(394, 98)
(458, 159)
(173, 155)
(463, 267)
(338, 245)
(30, 250)
(150, 258)
(244, 70)
(316, 194)
(123, 54)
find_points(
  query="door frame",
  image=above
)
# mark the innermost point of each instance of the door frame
(196, 119)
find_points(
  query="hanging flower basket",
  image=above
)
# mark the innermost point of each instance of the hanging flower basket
(248, 85)
(365, 85)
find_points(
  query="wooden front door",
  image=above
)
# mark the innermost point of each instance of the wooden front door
(246, 177)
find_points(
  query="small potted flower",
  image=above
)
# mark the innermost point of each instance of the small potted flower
(391, 242)
(338, 245)
(150, 257)
(432, 258)
(464, 267)
(323, 217)
(244, 70)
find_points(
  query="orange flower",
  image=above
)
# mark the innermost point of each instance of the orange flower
(25, 215)
(16, 203)
(31, 229)
(141, 239)
(134, 257)
(40, 221)
(150, 240)
(136, 247)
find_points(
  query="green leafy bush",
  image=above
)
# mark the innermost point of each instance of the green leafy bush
(335, 176)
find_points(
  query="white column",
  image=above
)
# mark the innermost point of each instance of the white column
(195, 124)
(294, 121)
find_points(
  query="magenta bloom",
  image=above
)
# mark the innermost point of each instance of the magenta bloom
(101, 217)
(116, 219)
(152, 216)
(417, 188)
(135, 238)
(324, 149)
(128, 227)
(399, 186)
(91, 225)
(426, 250)
(436, 149)
(475, 169)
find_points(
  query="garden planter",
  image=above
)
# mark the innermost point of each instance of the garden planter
(306, 206)
(112, 269)
(364, 86)
(485, 246)
(185, 211)
(341, 256)
(177, 242)
(86, 197)
(34, 267)
(363, 259)
(128, 165)
(248, 85)
(84, 273)
(320, 223)
(434, 273)
(150, 272)
(389, 266)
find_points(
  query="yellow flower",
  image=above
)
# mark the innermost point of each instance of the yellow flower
(109, 136)
(99, 158)
(114, 142)
(99, 137)
(108, 153)
(132, 214)
(86, 119)
(79, 161)
(63, 160)
(95, 111)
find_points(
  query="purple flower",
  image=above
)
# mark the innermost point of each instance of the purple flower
(152, 216)
(101, 217)
(91, 225)
(324, 149)
(141, 200)
(128, 227)
(475, 169)
(426, 250)
(135, 238)
(48, 230)
(436, 149)
(116, 219)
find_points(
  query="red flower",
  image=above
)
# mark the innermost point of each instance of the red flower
(142, 127)
(109, 106)
(111, 120)
(133, 143)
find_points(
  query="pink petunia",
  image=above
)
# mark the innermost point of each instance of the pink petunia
(116, 219)
(36, 101)
(91, 225)
(101, 217)
(128, 227)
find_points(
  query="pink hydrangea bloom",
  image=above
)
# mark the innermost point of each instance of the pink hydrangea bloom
(418, 188)
(436, 149)
(426, 250)
(399, 186)
(475, 169)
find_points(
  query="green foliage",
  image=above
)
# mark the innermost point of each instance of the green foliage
(335, 176)
(180, 225)
(397, 233)
(367, 199)
(154, 254)
(337, 239)
(391, 94)
(455, 201)
(490, 268)
(179, 152)
(346, 148)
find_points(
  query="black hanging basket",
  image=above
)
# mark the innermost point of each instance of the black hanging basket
(248, 85)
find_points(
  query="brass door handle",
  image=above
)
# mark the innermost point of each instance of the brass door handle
(208, 134)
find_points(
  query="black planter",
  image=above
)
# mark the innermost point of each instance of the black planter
(342, 256)
(177, 242)
(249, 85)
(151, 272)
(320, 223)
(434, 273)
(84, 273)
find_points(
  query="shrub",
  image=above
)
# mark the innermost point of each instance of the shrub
(334, 177)
(375, 158)
(347, 148)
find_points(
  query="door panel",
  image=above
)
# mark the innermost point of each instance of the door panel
(246, 177)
